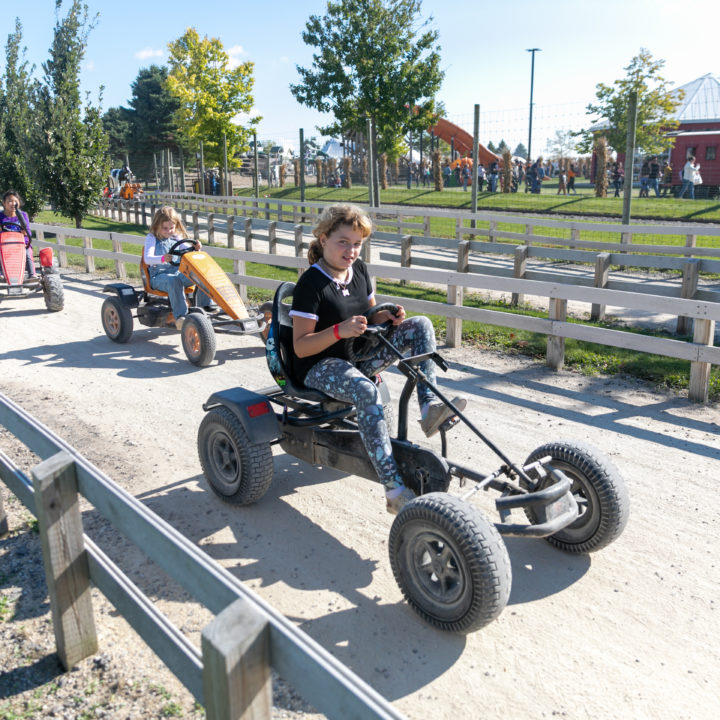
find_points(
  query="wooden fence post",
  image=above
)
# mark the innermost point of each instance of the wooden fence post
(519, 269)
(64, 557)
(556, 344)
(128, 211)
(691, 272)
(137, 212)
(112, 209)
(196, 225)
(299, 249)
(144, 214)
(455, 294)
(574, 237)
(89, 259)
(3, 519)
(230, 230)
(60, 239)
(237, 683)
(211, 228)
(272, 238)
(248, 234)
(405, 253)
(602, 274)
(458, 229)
(366, 257)
(117, 248)
(690, 241)
(698, 389)
(426, 226)
(238, 265)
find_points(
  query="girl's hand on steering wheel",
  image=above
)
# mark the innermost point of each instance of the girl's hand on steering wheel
(352, 327)
(197, 244)
(384, 315)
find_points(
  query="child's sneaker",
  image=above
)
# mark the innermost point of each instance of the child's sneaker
(179, 322)
(396, 504)
(438, 412)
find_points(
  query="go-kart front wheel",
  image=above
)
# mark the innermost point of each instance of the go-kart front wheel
(198, 339)
(53, 292)
(238, 470)
(599, 490)
(450, 562)
(117, 319)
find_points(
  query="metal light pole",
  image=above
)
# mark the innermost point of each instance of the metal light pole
(532, 81)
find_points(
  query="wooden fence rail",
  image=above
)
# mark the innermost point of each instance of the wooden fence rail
(693, 306)
(231, 673)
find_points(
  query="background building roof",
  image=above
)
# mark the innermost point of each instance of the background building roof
(702, 100)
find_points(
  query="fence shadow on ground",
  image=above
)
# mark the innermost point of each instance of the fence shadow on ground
(491, 386)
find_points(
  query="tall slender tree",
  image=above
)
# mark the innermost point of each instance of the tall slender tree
(75, 163)
(18, 101)
(374, 59)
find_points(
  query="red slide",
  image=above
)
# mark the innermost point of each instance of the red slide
(448, 131)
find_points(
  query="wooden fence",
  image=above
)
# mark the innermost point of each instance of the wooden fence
(230, 675)
(697, 309)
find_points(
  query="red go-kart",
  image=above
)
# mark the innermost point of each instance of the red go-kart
(13, 279)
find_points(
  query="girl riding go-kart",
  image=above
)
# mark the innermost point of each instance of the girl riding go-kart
(447, 557)
(329, 305)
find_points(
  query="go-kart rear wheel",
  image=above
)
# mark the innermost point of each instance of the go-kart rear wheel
(599, 490)
(238, 471)
(117, 319)
(53, 292)
(198, 339)
(450, 562)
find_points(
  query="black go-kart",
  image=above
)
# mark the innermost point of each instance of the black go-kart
(448, 558)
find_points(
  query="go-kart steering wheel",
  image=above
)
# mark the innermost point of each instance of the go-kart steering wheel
(363, 346)
(178, 251)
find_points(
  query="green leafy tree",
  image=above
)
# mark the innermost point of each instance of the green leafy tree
(152, 117)
(502, 147)
(18, 136)
(74, 144)
(655, 107)
(375, 59)
(520, 151)
(491, 147)
(210, 95)
(562, 145)
(116, 124)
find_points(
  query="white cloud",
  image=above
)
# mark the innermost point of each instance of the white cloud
(235, 53)
(147, 53)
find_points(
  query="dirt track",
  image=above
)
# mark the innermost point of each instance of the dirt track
(628, 632)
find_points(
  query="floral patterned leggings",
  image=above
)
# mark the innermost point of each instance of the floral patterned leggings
(343, 381)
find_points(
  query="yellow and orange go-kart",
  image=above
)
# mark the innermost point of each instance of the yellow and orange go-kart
(152, 307)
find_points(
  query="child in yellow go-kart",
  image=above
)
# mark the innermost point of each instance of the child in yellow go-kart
(166, 229)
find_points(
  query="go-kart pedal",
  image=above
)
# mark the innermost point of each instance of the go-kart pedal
(439, 414)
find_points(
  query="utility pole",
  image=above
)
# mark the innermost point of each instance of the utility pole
(476, 140)
(532, 82)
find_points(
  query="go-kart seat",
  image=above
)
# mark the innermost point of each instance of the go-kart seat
(278, 348)
(145, 274)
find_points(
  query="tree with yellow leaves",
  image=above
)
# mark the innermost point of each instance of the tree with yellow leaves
(212, 94)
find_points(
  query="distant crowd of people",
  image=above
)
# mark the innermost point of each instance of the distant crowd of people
(657, 176)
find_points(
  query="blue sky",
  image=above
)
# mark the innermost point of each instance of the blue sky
(483, 52)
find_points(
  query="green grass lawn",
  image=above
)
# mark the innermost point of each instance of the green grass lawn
(584, 357)
(548, 202)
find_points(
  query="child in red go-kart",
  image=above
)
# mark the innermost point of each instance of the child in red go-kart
(9, 221)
